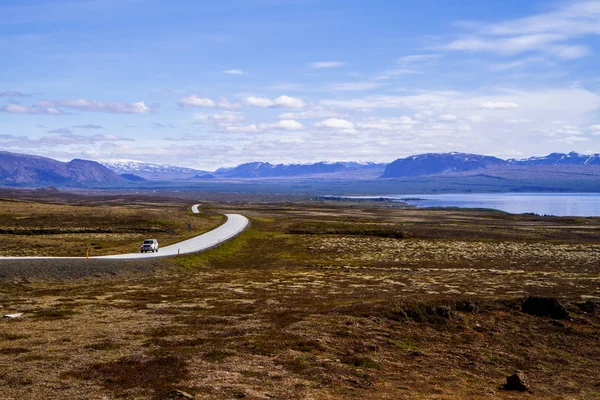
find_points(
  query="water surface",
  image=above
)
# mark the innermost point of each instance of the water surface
(560, 204)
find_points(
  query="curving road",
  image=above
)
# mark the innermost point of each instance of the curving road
(234, 225)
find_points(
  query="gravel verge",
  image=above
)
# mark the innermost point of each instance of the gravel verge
(73, 268)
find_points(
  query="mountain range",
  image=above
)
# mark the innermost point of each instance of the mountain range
(339, 170)
(35, 171)
(151, 171)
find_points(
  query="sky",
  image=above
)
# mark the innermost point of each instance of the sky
(210, 84)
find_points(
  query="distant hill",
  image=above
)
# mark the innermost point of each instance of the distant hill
(34, 171)
(321, 169)
(439, 163)
(133, 178)
(151, 171)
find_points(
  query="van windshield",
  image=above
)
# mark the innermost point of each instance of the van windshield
(148, 241)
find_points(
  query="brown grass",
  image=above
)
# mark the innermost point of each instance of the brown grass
(304, 305)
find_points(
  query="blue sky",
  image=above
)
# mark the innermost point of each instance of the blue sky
(209, 84)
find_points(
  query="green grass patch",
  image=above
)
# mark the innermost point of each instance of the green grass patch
(402, 344)
(222, 251)
(54, 313)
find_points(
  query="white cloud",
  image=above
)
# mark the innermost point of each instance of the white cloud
(260, 102)
(475, 118)
(595, 128)
(387, 124)
(253, 128)
(289, 102)
(326, 64)
(578, 18)
(234, 72)
(352, 86)
(522, 64)
(287, 125)
(499, 105)
(393, 73)
(110, 138)
(197, 101)
(280, 102)
(336, 123)
(21, 109)
(309, 114)
(97, 106)
(228, 105)
(553, 33)
(418, 58)
(518, 121)
(283, 125)
(564, 130)
(448, 117)
(227, 117)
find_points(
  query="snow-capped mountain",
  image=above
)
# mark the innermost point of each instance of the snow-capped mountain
(571, 158)
(151, 171)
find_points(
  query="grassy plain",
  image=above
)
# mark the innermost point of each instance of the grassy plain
(101, 227)
(321, 301)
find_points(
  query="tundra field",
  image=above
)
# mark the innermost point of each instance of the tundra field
(315, 300)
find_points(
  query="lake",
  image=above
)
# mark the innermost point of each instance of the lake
(560, 204)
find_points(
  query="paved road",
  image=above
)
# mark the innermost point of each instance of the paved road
(235, 224)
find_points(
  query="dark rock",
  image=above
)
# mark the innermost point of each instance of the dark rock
(515, 382)
(443, 311)
(239, 395)
(557, 323)
(544, 307)
(179, 394)
(466, 306)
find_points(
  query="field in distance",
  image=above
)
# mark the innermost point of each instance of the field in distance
(99, 226)
(324, 301)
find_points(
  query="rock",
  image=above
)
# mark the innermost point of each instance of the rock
(239, 395)
(545, 307)
(515, 382)
(466, 306)
(18, 315)
(443, 311)
(557, 323)
(179, 394)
